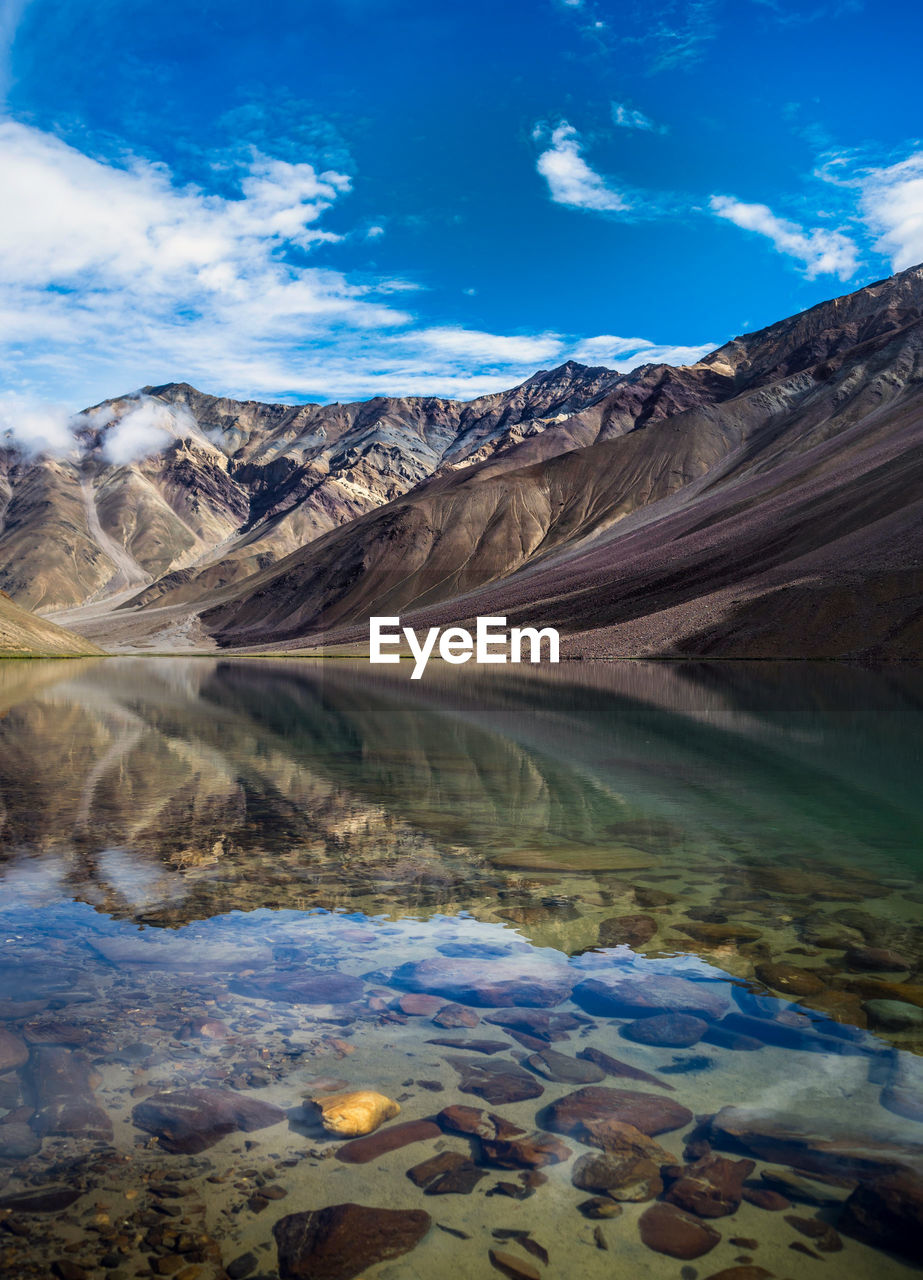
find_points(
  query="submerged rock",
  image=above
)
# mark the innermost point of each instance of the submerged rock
(351, 1115)
(187, 1121)
(712, 1187)
(65, 1102)
(496, 1082)
(790, 979)
(14, 1051)
(455, 1015)
(669, 1230)
(888, 1212)
(362, 1150)
(301, 986)
(40, 1200)
(529, 980)
(620, 996)
(621, 1070)
(893, 1015)
(633, 931)
(345, 1240)
(584, 1114)
(666, 1030)
(449, 1173)
(564, 1069)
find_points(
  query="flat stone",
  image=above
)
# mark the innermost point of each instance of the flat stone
(712, 1187)
(764, 1198)
(632, 931)
(888, 1213)
(669, 1230)
(829, 1193)
(621, 1070)
(14, 1051)
(392, 1138)
(41, 1200)
(187, 1121)
(509, 1265)
(496, 982)
(789, 979)
(18, 1142)
(420, 1006)
(538, 1023)
(576, 1113)
(473, 1122)
(666, 1030)
(902, 1101)
(821, 1234)
(876, 959)
(65, 1102)
(345, 1240)
(496, 1082)
(616, 996)
(449, 1173)
(455, 1015)
(488, 1047)
(301, 986)
(564, 1069)
(530, 1151)
(749, 1271)
(893, 1015)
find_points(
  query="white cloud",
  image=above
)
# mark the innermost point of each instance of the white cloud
(821, 252)
(570, 179)
(488, 348)
(625, 354)
(374, 232)
(34, 427)
(892, 206)
(628, 118)
(146, 428)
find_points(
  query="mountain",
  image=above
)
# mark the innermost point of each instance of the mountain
(765, 502)
(22, 635)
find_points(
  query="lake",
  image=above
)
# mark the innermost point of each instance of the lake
(631, 953)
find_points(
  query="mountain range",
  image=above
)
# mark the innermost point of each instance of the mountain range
(766, 502)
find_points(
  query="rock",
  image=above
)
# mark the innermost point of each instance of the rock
(790, 979)
(529, 980)
(614, 1067)
(632, 996)
(893, 1015)
(455, 1015)
(666, 1030)
(746, 1272)
(66, 1033)
(488, 1047)
(362, 1150)
(632, 931)
(187, 1121)
(647, 897)
(720, 935)
(886, 1212)
(790, 1030)
(600, 1207)
(449, 1173)
(790, 1140)
(242, 1266)
(203, 1028)
(14, 1051)
(827, 1193)
(160, 949)
(64, 1269)
(763, 1198)
(537, 1023)
(509, 1265)
(473, 1122)
(876, 959)
(301, 986)
(821, 1233)
(420, 1006)
(666, 1229)
(712, 1187)
(631, 1178)
(725, 1037)
(345, 1240)
(900, 1101)
(576, 1113)
(564, 1069)
(18, 1142)
(351, 1115)
(531, 1151)
(496, 1082)
(65, 1102)
(41, 1200)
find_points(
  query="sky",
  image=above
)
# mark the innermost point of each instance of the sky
(333, 199)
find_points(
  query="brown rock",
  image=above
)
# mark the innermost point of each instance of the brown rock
(575, 1112)
(763, 1198)
(488, 1047)
(712, 1187)
(496, 1082)
(631, 1178)
(875, 959)
(600, 1207)
(344, 1240)
(187, 1121)
(887, 1212)
(41, 1200)
(362, 1150)
(666, 1030)
(65, 1102)
(538, 1023)
(564, 1069)
(789, 979)
(473, 1122)
(509, 1265)
(632, 931)
(436, 1165)
(13, 1051)
(747, 1272)
(619, 996)
(666, 1229)
(420, 1006)
(614, 1067)
(531, 1151)
(455, 1015)
(17, 1142)
(449, 1173)
(65, 1033)
(822, 1234)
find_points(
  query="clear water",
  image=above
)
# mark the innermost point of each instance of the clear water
(183, 840)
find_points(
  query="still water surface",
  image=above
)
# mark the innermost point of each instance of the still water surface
(229, 887)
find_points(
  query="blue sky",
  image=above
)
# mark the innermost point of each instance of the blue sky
(330, 200)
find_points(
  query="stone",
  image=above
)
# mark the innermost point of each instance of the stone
(902, 1101)
(537, 1023)
(66, 1033)
(488, 1047)
(354, 1114)
(41, 1200)
(820, 1233)
(886, 1212)
(14, 1051)
(496, 1082)
(666, 1030)
(618, 996)
(789, 979)
(712, 1187)
(719, 935)
(614, 1067)
(18, 1142)
(420, 1006)
(65, 1102)
(633, 931)
(301, 986)
(202, 1028)
(576, 1113)
(564, 1069)
(393, 1138)
(187, 1121)
(529, 980)
(600, 1207)
(473, 1122)
(455, 1015)
(876, 959)
(789, 1030)
(893, 1015)
(763, 1198)
(647, 897)
(669, 1230)
(430, 1169)
(242, 1266)
(825, 1192)
(509, 1265)
(749, 1271)
(449, 1173)
(161, 949)
(725, 1037)
(531, 1151)
(632, 1178)
(345, 1240)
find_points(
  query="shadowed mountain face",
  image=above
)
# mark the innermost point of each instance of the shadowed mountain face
(767, 502)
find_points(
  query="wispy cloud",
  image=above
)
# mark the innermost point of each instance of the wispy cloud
(570, 179)
(820, 251)
(626, 117)
(626, 354)
(891, 204)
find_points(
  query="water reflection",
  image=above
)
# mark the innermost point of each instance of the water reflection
(706, 876)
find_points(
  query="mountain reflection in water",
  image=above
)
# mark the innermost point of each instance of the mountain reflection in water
(751, 829)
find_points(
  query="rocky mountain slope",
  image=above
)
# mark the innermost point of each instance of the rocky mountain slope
(22, 635)
(767, 502)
